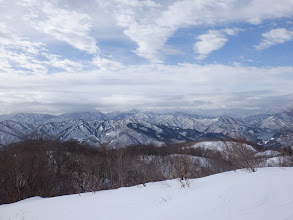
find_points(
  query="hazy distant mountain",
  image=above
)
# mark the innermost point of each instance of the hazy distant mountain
(134, 127)
(29, 118)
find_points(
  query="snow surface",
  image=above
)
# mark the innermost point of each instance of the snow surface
(276, 161)
(266, 194)
(268, 153)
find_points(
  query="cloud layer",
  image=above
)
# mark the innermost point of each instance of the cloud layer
(159, 87)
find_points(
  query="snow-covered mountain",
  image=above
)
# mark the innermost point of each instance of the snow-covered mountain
(134, 127)
(13, 131)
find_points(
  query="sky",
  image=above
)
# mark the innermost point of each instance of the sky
(61, 56)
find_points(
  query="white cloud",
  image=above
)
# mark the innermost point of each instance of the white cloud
(149, 40)
(106, 64)
(23, 56)
(189, 13)
(137, 20)
(275, 36)
(231, 31)
(138, 3)
(64, 64)
(65, 25)
(18, 53)
(211, 41)
(255, 11)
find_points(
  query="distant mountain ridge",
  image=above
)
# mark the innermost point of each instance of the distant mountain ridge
(135, 127)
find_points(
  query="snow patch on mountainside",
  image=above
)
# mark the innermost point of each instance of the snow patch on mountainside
(216, 145)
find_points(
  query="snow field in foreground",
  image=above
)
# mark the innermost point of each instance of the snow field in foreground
(266, 194)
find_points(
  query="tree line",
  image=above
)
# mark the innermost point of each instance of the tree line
(50, 168)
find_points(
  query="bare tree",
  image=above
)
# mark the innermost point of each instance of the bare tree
(181, 167)
(240, 155)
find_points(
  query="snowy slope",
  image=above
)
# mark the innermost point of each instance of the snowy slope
(216, 145)
(266, 194)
